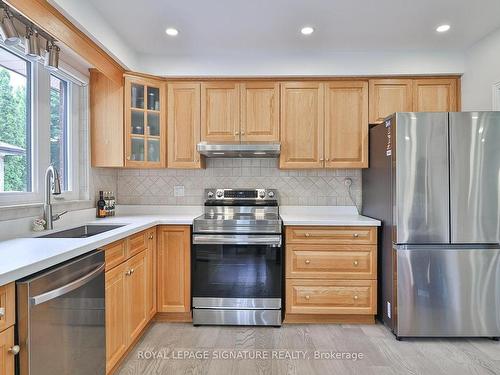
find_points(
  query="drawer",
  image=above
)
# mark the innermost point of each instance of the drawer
(332, 235)
(7, 305)
(331, 261)
(331, 296)
(137, 243)
(115, 253)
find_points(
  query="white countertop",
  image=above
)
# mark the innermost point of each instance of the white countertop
(21, 257)
(325, 215)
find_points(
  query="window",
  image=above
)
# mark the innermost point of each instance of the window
(15, 123)
(43, 121)
(59, 129)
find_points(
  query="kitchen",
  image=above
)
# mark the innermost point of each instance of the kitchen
(321, 199)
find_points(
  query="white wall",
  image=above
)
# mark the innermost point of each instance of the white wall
(482, 71)
(89, 20)
(335, 64)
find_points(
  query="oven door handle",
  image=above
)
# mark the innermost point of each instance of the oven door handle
(226, 239)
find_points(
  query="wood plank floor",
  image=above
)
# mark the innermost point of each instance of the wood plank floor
(382, 353)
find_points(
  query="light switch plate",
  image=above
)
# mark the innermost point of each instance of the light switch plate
(178, 190)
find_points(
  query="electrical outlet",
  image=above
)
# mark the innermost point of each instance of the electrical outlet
(178, 190)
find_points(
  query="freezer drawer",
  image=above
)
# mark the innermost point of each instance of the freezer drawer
(444, 292)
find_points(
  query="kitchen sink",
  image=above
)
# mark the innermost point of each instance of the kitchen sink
(83, 232)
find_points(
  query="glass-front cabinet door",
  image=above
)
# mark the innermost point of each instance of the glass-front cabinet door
(145, 122)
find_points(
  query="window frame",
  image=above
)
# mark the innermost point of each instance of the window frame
(39, 112)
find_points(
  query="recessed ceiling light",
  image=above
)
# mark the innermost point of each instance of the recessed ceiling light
(442, 28)
(307, 30)
(171, 31)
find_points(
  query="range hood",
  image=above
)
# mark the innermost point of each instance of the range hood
(239, 150)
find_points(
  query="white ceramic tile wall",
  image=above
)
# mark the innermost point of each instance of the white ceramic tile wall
(296, 187)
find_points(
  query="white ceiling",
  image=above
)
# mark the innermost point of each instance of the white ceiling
(265, 29)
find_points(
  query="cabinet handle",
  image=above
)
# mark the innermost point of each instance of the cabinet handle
(2, 312)
(242, 133)
(307, 298)
(321, 159)
(132, 271)
(356, 235)
(327, 159)
(128, 273)
(307, 261)
(355, 262)
(14, 350)
(355, 297)
(236, 133)
(308, 235)
(150, 236)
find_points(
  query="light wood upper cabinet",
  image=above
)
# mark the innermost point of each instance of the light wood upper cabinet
(145, 123)
(174, 272)
(302, 123)
(346, 124)
(106, 121)
(260, 111)
(388, 96)
(435, 95)
(220, 111)
(184, 125)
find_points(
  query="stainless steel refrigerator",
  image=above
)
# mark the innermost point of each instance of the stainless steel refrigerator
(434, 181)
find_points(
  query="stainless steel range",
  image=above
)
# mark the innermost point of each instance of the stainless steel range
(237, 260)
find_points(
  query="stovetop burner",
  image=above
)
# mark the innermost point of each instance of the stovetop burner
(239, 211)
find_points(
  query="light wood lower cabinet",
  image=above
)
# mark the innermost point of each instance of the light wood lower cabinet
(331, 296)
(116, 335)
(6, 355)
(130, 292)
(331, 274)
(174, 269)
(151, 272)
(7, 321)
(7, 305)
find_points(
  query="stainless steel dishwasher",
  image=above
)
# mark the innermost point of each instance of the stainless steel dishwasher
(61, 319)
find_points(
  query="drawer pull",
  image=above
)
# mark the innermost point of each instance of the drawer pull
(2, 312)
(355, 263)
(307, 298)
(355, 297)
(307, 261)
(308, 235)
(355, 235)
(14, 350)
(150, 237)
(128, 273)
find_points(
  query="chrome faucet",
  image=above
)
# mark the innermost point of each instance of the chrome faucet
(52, 185)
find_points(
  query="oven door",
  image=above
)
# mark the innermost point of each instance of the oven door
(237, 271)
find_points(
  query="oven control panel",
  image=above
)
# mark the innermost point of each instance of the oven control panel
(241, 194)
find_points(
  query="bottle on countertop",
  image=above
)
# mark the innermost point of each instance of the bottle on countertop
(107, 208)
(101, 206)
(112, 203)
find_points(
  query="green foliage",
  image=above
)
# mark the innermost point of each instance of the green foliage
(13, 131)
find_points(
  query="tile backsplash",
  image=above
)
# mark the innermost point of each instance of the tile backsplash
(296, 187)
